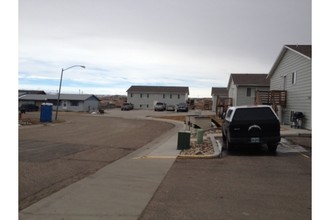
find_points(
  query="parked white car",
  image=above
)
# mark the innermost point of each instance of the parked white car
(160, 106)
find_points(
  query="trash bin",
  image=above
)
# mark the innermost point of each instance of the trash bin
(200, 134)
(46, 111)
(183, 140)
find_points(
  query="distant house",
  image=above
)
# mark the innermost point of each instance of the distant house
(242, 87)
(25, 91)
(218, 93)
(145, 97)
(292, 72)
(68, 102)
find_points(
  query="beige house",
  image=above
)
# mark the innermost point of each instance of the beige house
(218, 93)
(242, 87)
(292, 72)
(145, 97)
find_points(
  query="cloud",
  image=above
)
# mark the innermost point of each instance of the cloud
(179, 43)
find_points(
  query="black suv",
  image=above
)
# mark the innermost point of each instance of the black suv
(251, 125)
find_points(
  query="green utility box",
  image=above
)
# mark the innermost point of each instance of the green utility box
(200, 134)
(183, 140)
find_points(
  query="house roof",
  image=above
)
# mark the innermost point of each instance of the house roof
(24, 92)
(249, 79)
(219, 91)
(303, 50)
(159, 89)
(73, 97)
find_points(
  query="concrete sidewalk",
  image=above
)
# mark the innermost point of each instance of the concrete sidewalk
(287, 131)
(120, 190)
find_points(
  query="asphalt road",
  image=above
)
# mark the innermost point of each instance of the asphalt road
(54, 156)
(243, 184)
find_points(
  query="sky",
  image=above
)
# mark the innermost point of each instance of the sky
(194, 43)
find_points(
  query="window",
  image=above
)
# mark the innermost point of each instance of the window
(131, 95)
(74, 103)
(294, 78)
(178, 96)
(148, 95)
(248, 92)
(141, 95)
(170, 96)
(246, 114)
(229, 114)
(163, 96)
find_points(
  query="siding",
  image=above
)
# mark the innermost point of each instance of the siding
(232, 93)
(243, 99)
(91, 104)
(299, 95)
(214, 102)
(147, 100)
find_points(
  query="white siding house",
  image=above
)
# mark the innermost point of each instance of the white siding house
(145, 97)
(242, 87)
(292, 71)
(68, 102)
(218, 92)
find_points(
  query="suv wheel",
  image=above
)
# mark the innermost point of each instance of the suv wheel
(223, 136)
(229, 145)
(272, 147)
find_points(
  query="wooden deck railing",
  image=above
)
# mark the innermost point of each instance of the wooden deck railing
(273, 97)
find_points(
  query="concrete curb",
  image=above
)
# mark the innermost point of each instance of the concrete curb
(287, 131)
(296, 135)
(216, 146)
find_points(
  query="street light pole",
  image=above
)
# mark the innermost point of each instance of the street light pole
(59, 90)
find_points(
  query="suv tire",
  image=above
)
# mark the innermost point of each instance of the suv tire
(229, 145)
(272, 147)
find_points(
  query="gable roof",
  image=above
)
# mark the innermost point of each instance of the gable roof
(305, 50)
(159, 89)
(302, 50)
(219, 91)
(249, 79)
(25, 91)
(41, 97)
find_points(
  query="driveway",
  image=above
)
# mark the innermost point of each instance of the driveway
(247, 183)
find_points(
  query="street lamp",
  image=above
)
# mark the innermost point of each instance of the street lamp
(59, 90)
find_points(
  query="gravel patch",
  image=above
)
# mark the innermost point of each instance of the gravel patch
(205, 148)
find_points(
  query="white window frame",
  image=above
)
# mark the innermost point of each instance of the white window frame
(294, 78)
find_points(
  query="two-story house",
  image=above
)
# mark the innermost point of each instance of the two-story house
(242, 87)
(145, 97)
(218, 93)
(292, 72)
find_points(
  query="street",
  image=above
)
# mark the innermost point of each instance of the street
(54, 156)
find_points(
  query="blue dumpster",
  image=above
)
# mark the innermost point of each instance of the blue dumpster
(46, 112)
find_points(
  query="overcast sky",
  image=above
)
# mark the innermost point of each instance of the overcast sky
(195, 43)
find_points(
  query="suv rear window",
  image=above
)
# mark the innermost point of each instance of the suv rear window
(254, 114)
